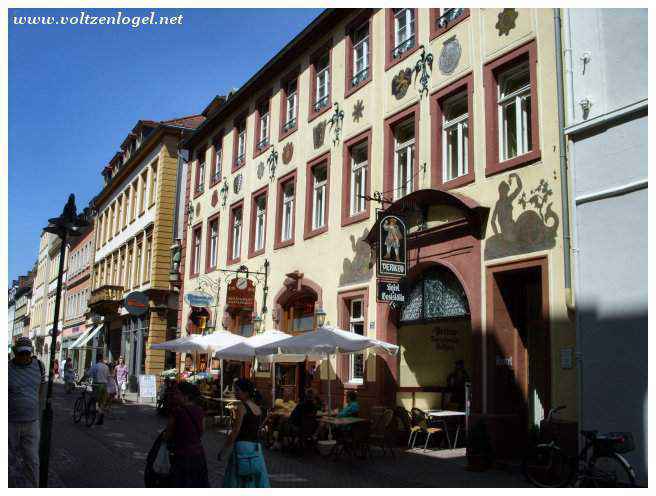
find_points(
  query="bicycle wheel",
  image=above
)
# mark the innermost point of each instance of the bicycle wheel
(608, 471)
(90, 413)
(78, 410)
(547, 466)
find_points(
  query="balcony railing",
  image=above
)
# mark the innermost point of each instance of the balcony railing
(106, 294)
(289, 125)
(449, 16)
(216, 177)
(403, 47)
(239, 161)
(321, 103)
(200, 188)
(359, 77)
(262, 144)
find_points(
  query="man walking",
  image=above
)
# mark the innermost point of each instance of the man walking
(99, 373)
(121, 371)
(27, 379)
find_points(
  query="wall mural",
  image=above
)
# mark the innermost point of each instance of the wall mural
(424, 66)
(401, 83)
(534, 229)
(215, 198)
(506, 21)
(360, 268)
(358, 110)
(287, 153)
(260, 170)
(319, 134)
(336, 123)
(450, 56)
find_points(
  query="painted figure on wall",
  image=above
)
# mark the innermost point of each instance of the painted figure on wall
(534, 229)
(359, 269)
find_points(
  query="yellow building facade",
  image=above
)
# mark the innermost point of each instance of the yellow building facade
(446, 118)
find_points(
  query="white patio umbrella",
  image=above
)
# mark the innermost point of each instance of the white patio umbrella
(326, 341)
(185, 344)
(246, 350)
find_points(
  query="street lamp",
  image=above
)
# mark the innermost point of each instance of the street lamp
(257, 324)
(321, 316)
(69, 223)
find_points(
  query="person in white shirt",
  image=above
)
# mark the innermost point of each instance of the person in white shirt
(99, 373)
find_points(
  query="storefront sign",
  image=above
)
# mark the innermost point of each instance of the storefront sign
(390, 291)
(391, 246)
(136, 303)
(199, 299)
(241, 294)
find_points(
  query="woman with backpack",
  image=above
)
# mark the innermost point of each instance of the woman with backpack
(184, 436)
(246, 466)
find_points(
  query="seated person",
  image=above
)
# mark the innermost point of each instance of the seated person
(352, 407)
(302, 417)
(456, 382)
(284, 404)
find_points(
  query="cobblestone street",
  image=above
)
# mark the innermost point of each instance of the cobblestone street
(114, 454)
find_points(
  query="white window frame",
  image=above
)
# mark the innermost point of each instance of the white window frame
(404, 19)
(196, 247)
(363, 46)
(201, 175)
(460, 125)
(264, 127)
(515, 99)
(237, 221)
(357, 205)
(319, 197)
(322, 83)
(292, 104)
(241, 143)
(352, 322)
(287, 227)
(408, 184)
(260, 222)
(218, 163)
(214, 243)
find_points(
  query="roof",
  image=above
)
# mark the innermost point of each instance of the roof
(188, 122)
(312, 33)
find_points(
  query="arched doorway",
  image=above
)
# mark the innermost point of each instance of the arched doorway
(435, 339)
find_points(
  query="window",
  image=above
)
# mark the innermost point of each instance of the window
(404, 31)
(119, 213)
(240, 144)
(200, 173)
(258, 222)
(137, 266)
(289, 109)
(319, 179)
(285, 211)
(359, 58)
(404, 158)
(511, 109)
(437, 295)
(212, 244)
(514, 104)
(195, 250)
(452, 149)
(356, 325)
(133, 205)
(121, 269)
(234, 248)
(262, 124)
(126, 206)
(217, 159)
(153, 184)
(148, 257)
(142, 192)
(442, 20)
(110, 228)
(358, 179)
(320, 97)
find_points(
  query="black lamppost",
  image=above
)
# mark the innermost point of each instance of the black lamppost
(69, 223)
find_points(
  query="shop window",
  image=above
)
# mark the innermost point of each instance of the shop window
(442, 20)
(302, 315)
(438, 294)
(289, 105)
(245, 324)
(511, 110)
(358, 50)
(356, 325)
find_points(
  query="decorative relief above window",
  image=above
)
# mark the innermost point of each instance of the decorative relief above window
(437, 295)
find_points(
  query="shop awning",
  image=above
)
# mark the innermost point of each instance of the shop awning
(86, 337)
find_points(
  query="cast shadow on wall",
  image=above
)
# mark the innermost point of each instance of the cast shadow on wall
(360, 267)
(534, 229)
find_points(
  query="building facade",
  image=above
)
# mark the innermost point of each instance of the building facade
(449, 119)
(39, 302)
(19, 324)
(75, 309)
(133, 232)
(606, 127)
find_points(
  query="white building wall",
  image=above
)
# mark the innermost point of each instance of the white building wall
(608, 164)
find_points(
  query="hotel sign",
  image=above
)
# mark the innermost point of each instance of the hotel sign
(241, 294)
(390, 292)
(391, 246)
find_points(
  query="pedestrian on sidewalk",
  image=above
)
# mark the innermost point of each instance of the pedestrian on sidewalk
(69, 375)
(121, 374)
(99, 373)
(184, 433)
(26, 378)
(112, 388)
(246, 466)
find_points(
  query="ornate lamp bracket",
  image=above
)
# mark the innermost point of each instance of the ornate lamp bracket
(424, 66)
(335, 122)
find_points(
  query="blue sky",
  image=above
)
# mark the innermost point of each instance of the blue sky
(76, 91)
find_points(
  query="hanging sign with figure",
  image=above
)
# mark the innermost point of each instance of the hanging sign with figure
(391, 246)
(241, 294)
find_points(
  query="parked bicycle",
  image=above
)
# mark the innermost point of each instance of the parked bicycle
(85, 405)
(599, 464)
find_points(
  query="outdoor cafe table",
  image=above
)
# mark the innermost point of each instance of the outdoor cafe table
(441, 416)
(340, 422)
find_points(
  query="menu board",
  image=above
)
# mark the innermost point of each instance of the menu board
(147, 386)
